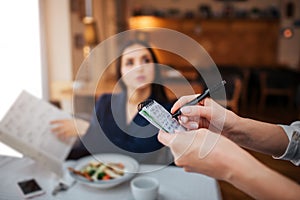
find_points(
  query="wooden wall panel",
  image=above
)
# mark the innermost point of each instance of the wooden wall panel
(240, 42)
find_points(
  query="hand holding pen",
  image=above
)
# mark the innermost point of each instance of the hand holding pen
(199, 98)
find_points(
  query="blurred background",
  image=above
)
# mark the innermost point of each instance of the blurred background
(255, 44)
(257, 41)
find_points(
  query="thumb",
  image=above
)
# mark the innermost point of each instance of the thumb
(165, 138)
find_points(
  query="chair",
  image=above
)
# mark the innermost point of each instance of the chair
(233, 90)
(277, 82)
(235, 77)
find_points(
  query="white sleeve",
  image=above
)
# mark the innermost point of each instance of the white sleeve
(292, 152)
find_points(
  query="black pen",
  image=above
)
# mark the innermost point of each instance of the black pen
(199, 98)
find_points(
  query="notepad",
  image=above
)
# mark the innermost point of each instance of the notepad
(158, 116)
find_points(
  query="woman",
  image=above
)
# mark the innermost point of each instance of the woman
(116, 125)
(139, 78)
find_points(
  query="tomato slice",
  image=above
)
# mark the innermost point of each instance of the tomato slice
(106, 177)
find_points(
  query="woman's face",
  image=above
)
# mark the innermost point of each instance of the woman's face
(137, 67)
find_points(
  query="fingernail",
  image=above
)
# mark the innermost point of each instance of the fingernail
(186, 110)
(193, 125)
(162, 136)
(183, 119)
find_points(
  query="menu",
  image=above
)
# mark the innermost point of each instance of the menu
(26, 128)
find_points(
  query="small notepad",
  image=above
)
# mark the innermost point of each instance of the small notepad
(158, 116)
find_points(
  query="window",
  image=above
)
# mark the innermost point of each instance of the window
(20, 50)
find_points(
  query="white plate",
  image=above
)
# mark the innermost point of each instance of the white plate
(131, 168)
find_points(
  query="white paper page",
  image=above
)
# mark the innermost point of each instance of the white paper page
(26, 128)
(158, 116)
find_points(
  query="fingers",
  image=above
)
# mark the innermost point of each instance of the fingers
(56, 129)
(175, 139)
(55, 122)
(62, 136)
(191, 125)
(165, 138)
(61, 121)
(196, 111)
(59, 126)
(58, 121)
(63, 129)
(193, 115)
(182, 101)
(204, 110)
(59, 132)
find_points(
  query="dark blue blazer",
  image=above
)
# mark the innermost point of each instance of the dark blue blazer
(110, 133)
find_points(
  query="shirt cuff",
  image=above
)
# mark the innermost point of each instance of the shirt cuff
(292, 152)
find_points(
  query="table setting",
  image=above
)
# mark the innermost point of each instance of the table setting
(136, 181)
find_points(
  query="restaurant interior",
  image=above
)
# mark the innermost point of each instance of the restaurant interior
(258, 41)
(255, 44)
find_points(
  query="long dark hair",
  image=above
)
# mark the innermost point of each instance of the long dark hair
(157, 90)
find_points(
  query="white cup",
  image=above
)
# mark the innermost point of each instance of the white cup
(144, 188)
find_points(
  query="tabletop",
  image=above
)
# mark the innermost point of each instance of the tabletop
(175, 183)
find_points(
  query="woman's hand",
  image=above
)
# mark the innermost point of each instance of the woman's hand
(67, 128)
(207, 114)
(203, 151)
(252, 134)
(208, 153)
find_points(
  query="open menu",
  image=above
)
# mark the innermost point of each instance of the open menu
(26, 128)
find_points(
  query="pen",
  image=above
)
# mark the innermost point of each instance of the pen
(199, 98)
